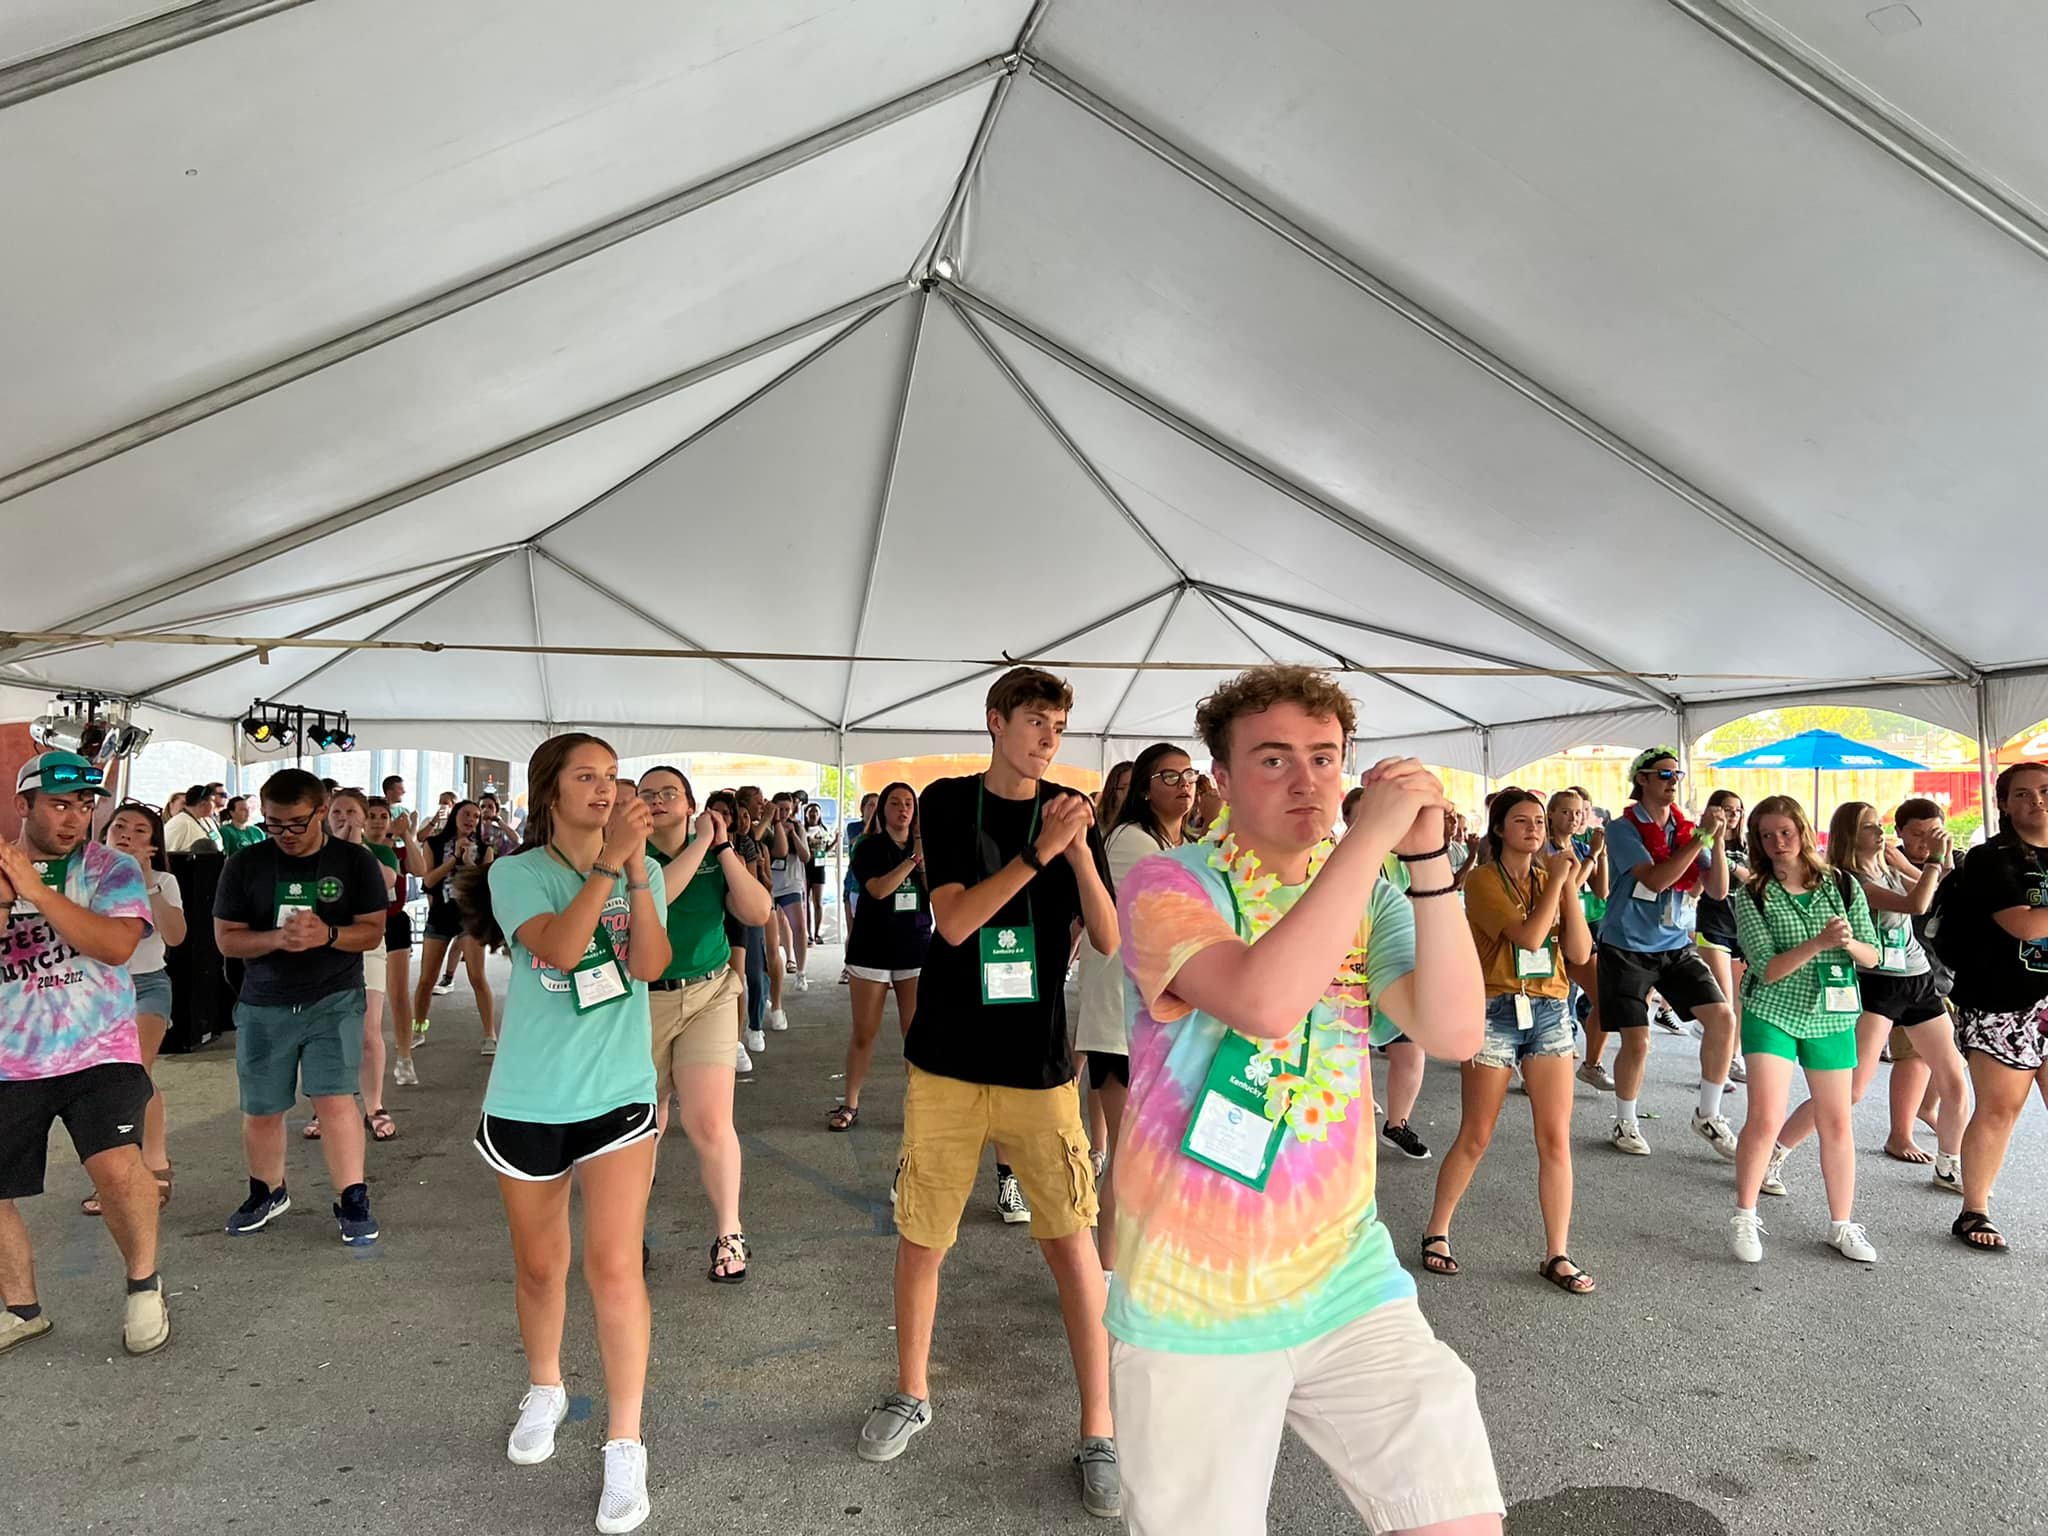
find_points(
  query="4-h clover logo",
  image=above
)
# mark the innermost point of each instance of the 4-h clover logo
(1006, 939)
(1258, 1072)
(330, 889)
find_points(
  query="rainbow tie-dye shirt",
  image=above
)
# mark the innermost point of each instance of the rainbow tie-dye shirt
(60, 1011)
(1206, 1265)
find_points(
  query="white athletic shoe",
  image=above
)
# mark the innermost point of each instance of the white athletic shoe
(1851, 1242)
(803, 982)
(1774, 1172)
(755, 1040)
(1746, 1237)
(777, 1020)
(1716, 1132)
(443, 987)
(1627, 1137)
(1948, 1172)
(623, 1504)
(533, 1437)
(404, 1074)
(741, 1061)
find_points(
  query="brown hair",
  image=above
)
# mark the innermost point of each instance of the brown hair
(1916, 810)
(1503, 801)
(1842, 829)
(1028, 685)
(1762, 872)
(543, 770)
(1259, 689)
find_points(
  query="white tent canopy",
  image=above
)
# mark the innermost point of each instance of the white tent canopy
(1555, 370)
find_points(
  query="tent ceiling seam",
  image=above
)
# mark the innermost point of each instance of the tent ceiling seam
(1266, 474)
(888, 489)
(477, 290)
(73, 63)
(540, 657)
(1350, 271)
(1172, 607)
(504, 453)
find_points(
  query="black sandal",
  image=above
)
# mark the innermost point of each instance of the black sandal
(842, 1118)
(1577, 1283)
(1439, 1263)
(729, 1250)
(1970, 1224)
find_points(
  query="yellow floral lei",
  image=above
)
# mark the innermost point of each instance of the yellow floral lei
(1314, 1099)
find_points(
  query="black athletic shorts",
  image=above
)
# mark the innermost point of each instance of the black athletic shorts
(1902, 999)
(817, 874)
(537, 1152)
(1105, 1067)
(1627, 977)
(397, 932)
(101, 1108)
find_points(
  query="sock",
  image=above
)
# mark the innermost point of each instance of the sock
(258, 1190)
(1624, 1110)
(356, 1199)
(28, 1311)
(1710, 1098)
(151, 1283)
(1002, 1170)
(1745, 1210)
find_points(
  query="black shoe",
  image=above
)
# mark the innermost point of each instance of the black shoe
(1406, 1140)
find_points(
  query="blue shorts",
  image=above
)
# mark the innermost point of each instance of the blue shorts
(315, 1046)
(153, 994)
(1549, 1032)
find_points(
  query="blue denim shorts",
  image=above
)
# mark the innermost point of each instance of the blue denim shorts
(153, 994)
(1549, 1032)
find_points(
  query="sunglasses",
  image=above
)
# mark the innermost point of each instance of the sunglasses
(1668, 775)
(59, 777)
(1173, 778)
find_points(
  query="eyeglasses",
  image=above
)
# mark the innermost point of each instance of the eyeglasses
(661, 796)
(60, 777)
(288, 828)
(1173, 778)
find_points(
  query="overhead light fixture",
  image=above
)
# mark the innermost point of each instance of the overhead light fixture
(272, 727)
(93, 725)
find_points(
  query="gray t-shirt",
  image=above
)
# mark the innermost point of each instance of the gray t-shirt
(1892, 924)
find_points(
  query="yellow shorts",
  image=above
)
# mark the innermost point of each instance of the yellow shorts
(695, 1025)
(947, 1122)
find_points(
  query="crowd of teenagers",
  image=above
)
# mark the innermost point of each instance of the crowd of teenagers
(1243, 941)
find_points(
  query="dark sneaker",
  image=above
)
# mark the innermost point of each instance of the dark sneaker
(258, 1211)
(1010, 1200)
(1102, 1484)
(352, 1215)
(890, 1424)
(1410, 1144)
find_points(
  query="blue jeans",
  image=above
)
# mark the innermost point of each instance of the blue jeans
(757, 976)
(1549, 1032)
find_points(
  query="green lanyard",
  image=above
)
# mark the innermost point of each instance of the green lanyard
(1009, 953)
(1530, 964)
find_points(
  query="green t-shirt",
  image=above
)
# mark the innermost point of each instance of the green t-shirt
(555, 1065)
(234, 839)
(386, 854)
(696, 921)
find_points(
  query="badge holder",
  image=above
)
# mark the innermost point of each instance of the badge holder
(1891, 951)
(1009, 965)
(1237, 1126)
(293, 896)
(906, 896)
(1838, 990)
(598, 979)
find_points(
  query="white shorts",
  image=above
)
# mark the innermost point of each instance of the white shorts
(886, 978)
(373, 969)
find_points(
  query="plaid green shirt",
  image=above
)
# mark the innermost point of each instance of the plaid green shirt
(1794, 1004)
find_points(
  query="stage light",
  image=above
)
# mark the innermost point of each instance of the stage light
(93, 725)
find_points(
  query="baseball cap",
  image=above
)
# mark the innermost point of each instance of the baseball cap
(61, 773)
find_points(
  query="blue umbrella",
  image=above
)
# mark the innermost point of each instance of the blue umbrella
(1818, 750)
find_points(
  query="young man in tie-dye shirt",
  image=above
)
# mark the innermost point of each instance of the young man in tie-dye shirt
(1256, 1287)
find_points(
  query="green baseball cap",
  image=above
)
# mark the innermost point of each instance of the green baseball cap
(61, 773)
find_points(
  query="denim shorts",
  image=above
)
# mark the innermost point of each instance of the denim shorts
(279, 1050)
(153, 994)
(1549, 1032)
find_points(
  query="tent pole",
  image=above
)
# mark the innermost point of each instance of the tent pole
(839, 848)
(146, 39)
(1486, 757)
(1987, 755)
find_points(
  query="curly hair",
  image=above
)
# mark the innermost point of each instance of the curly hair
(1259, 689)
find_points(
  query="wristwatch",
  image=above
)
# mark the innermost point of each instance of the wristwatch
(718, 848)
(333, 935)
(1030, 856)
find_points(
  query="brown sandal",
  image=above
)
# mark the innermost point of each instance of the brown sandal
(380, 1125)
(1577, 1283)
(842, 1118)
(729, 1250)
(1438, 1263)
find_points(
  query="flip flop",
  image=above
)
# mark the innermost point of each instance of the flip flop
(842, 1118)
(312, 1130)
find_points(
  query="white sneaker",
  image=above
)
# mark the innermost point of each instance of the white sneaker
(1851, 1242)
(146, 1324)
(803, 982)
(756, 1041)
(533, 1437)
(1746, 1237)
(1627, 1137)
(443, 988)
(1774, 1172)
(1948, 1172)
(741, 1061)
(623, 1504)
(1717, 1133)
(777, 1020)
(404, 1074)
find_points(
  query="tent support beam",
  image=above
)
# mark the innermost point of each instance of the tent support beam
(671, 631)
(1350, 662)
(505, 453)
(888, 489)
(453, 300)
(1872, 119)
(1343, 267)
(1109, 720)
(944, 240)
(540, 657)
(1987, 756)
(1037, 650)
(1272, 478)
(93, 56)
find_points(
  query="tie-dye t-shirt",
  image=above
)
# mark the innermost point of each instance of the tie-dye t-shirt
(1206, 1265)
(59, 1011)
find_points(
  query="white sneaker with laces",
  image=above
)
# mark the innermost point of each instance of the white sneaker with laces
(1746, 1237)
(755, 1040)
(623, 1504)
(404, 1074)
(777, 1020)
(1774, 1171)
(1627, 1136)
(1717, 1133)
(741, 1061)
(533, 1437)
(1851, 1242)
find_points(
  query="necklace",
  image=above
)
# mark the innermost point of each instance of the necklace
(1311, 1077)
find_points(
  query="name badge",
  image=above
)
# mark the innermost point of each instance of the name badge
(906, 898)
(1839, 993)
(1009, 965)
(598, 978)
(1891, 949)
(1682, 910)
(1534, 964)
(293, 896)
(1237, 1125)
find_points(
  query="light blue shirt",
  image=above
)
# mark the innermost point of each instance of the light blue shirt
(1637, 918)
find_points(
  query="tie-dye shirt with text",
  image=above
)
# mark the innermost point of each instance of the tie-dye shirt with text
(61, 1012)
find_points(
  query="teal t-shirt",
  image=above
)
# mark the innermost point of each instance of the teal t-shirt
(554, 1065)
(696, 921)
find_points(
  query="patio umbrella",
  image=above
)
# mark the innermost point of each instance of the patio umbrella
(1822, 751)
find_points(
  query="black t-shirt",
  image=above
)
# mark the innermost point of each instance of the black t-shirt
(342, 882)
(956, 1034)
(886, 935)
(441, 908)
(1997, 973)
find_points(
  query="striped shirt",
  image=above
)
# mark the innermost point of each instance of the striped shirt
(1794, 1004)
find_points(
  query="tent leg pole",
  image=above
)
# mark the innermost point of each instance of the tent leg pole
(839, 848)
(1987, 755)
(1486, 758)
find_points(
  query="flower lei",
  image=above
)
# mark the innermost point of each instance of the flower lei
(1313, 1099)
